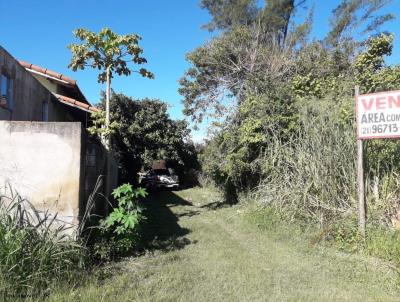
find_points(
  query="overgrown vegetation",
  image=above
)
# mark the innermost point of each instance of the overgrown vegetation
(341, 234)
(40, 253)
(311, 176)
(283, 107)
(36, 254)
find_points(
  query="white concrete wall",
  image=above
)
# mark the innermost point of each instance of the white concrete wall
(42, 162)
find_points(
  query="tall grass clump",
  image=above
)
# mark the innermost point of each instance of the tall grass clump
(36, 254)
(312, 175)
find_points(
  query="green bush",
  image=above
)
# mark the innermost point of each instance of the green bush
(35, 253)
(232, 158)
(120, 230)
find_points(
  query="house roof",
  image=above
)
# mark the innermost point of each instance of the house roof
(74, 103)
(70, 84)
(49, 73)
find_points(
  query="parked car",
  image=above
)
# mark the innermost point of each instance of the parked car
(159, 179)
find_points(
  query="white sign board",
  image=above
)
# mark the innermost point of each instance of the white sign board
(378, 115)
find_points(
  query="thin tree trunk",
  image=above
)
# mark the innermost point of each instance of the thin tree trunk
(109, 182)
(108, 92)
(375, 188)
(290, 8)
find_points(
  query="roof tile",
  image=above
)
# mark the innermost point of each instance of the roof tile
(48, 72)
(65, 99)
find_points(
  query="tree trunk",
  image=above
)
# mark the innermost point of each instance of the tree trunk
(108, 91)
(375, 188)
(109, 182)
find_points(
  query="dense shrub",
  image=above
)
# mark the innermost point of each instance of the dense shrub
(120, 230)
(232, 158)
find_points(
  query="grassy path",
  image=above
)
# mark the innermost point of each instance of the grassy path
(199, 252)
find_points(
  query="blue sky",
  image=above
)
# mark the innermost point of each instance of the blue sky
(39, 31)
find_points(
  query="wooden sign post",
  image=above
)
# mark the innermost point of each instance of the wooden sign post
(377, 116)
(360, 180)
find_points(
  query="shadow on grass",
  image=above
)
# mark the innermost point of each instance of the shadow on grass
(215, 205)
(161, 231)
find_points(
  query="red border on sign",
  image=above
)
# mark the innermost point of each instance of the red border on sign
(357, 127)
(357, 117)
(382, 92)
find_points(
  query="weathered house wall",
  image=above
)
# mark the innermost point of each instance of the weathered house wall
(48, 158)
(28, 95)
(95, 166)
(55, 167)
(42, 162)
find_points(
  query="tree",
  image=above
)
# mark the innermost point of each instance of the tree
(109, 53)
(242, 61)
(352, 15)
(258, 47)
(254, 50)
(227, 14)
(276, 17)
(145, 133)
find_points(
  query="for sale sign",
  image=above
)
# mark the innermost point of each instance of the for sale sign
(378, 115)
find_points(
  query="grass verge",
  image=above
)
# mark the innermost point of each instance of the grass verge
(203, 251)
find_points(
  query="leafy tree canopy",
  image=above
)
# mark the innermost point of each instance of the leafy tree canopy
(274, 16)
(250, 57)
(356, 17)
(227, 14)
(107, 49)
(144, 132)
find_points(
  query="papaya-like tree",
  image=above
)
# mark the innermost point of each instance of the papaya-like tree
(110, 53)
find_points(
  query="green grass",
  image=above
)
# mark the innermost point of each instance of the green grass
(35, 253)
(198, 250)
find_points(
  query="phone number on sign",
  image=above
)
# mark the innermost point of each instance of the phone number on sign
(385, 128)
